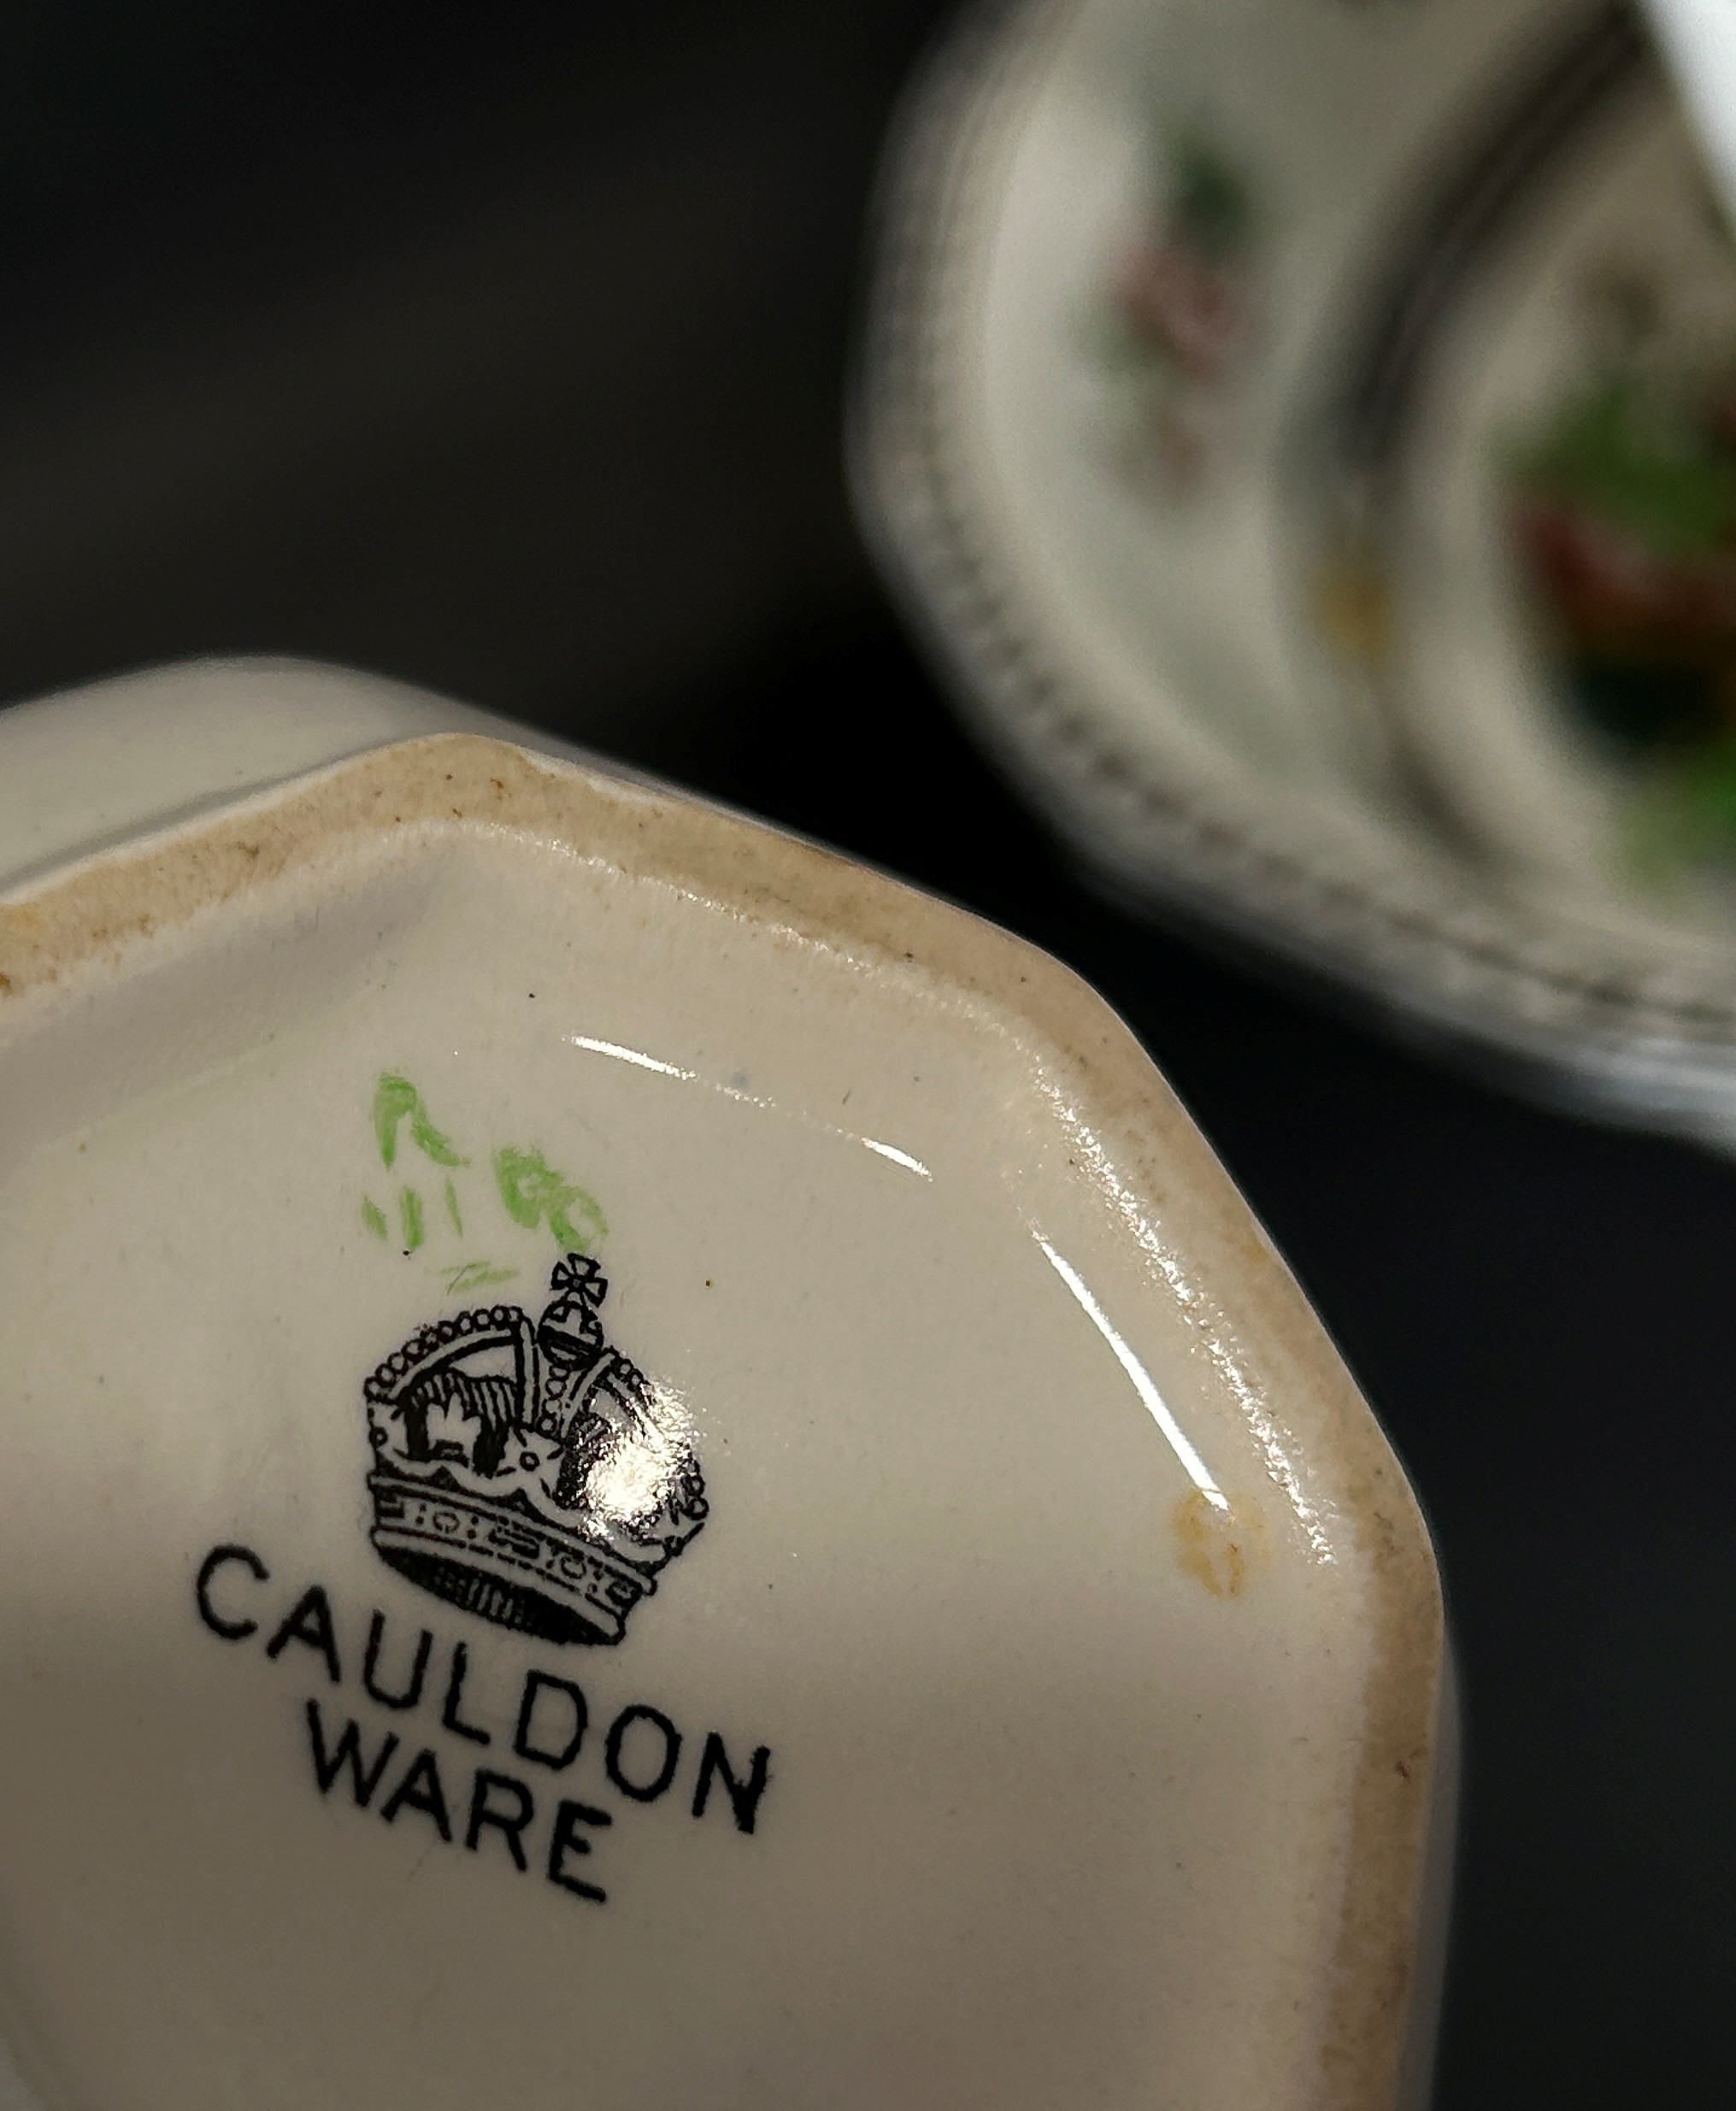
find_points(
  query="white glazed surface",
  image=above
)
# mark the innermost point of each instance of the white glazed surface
(1062, 1586)
(99, 765)
(95, 766)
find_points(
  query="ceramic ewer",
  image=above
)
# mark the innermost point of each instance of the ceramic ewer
(1303, 431)
(638, 1466)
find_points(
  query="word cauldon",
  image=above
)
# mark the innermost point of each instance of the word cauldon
(433, 1777)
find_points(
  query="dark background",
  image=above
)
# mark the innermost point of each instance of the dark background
(504, 350)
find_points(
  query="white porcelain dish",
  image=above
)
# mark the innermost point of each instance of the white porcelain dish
(639, 1467)
(1299, 429)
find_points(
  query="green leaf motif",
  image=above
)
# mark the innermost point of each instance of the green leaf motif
(475, 1275)
(535, 1193)
(395, 1100)
(1636, 458)
(373, 1217)
(409, 1205)
(452, 1210)
(1211, 197)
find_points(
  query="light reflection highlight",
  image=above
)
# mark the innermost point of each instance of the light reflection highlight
(1218, 1337)
(641, 1060)
(635, 1055)
(645, 1475)
(1155, 1405)
(898, 1157)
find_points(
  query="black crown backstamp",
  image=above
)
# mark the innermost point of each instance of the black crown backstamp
(525, 1470)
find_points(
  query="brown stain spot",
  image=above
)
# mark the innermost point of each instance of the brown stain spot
(1220, 1544)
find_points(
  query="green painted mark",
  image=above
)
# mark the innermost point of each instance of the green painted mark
(476, 1275)
(534, 1192)
(395, 1100)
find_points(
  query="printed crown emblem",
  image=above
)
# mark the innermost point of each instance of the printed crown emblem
(527, 1471)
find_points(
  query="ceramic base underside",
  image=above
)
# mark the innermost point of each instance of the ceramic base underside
(1030, 1641)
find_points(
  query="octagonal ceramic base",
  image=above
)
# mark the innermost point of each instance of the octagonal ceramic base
(1027, 1690)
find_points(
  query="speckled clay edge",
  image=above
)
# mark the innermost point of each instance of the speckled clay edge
(1619, 1029)
(94, 912)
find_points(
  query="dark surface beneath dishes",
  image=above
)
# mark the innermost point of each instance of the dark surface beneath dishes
(507, 356)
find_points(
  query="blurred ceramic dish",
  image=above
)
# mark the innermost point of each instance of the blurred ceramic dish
(639, 1467)
(1307, 434)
